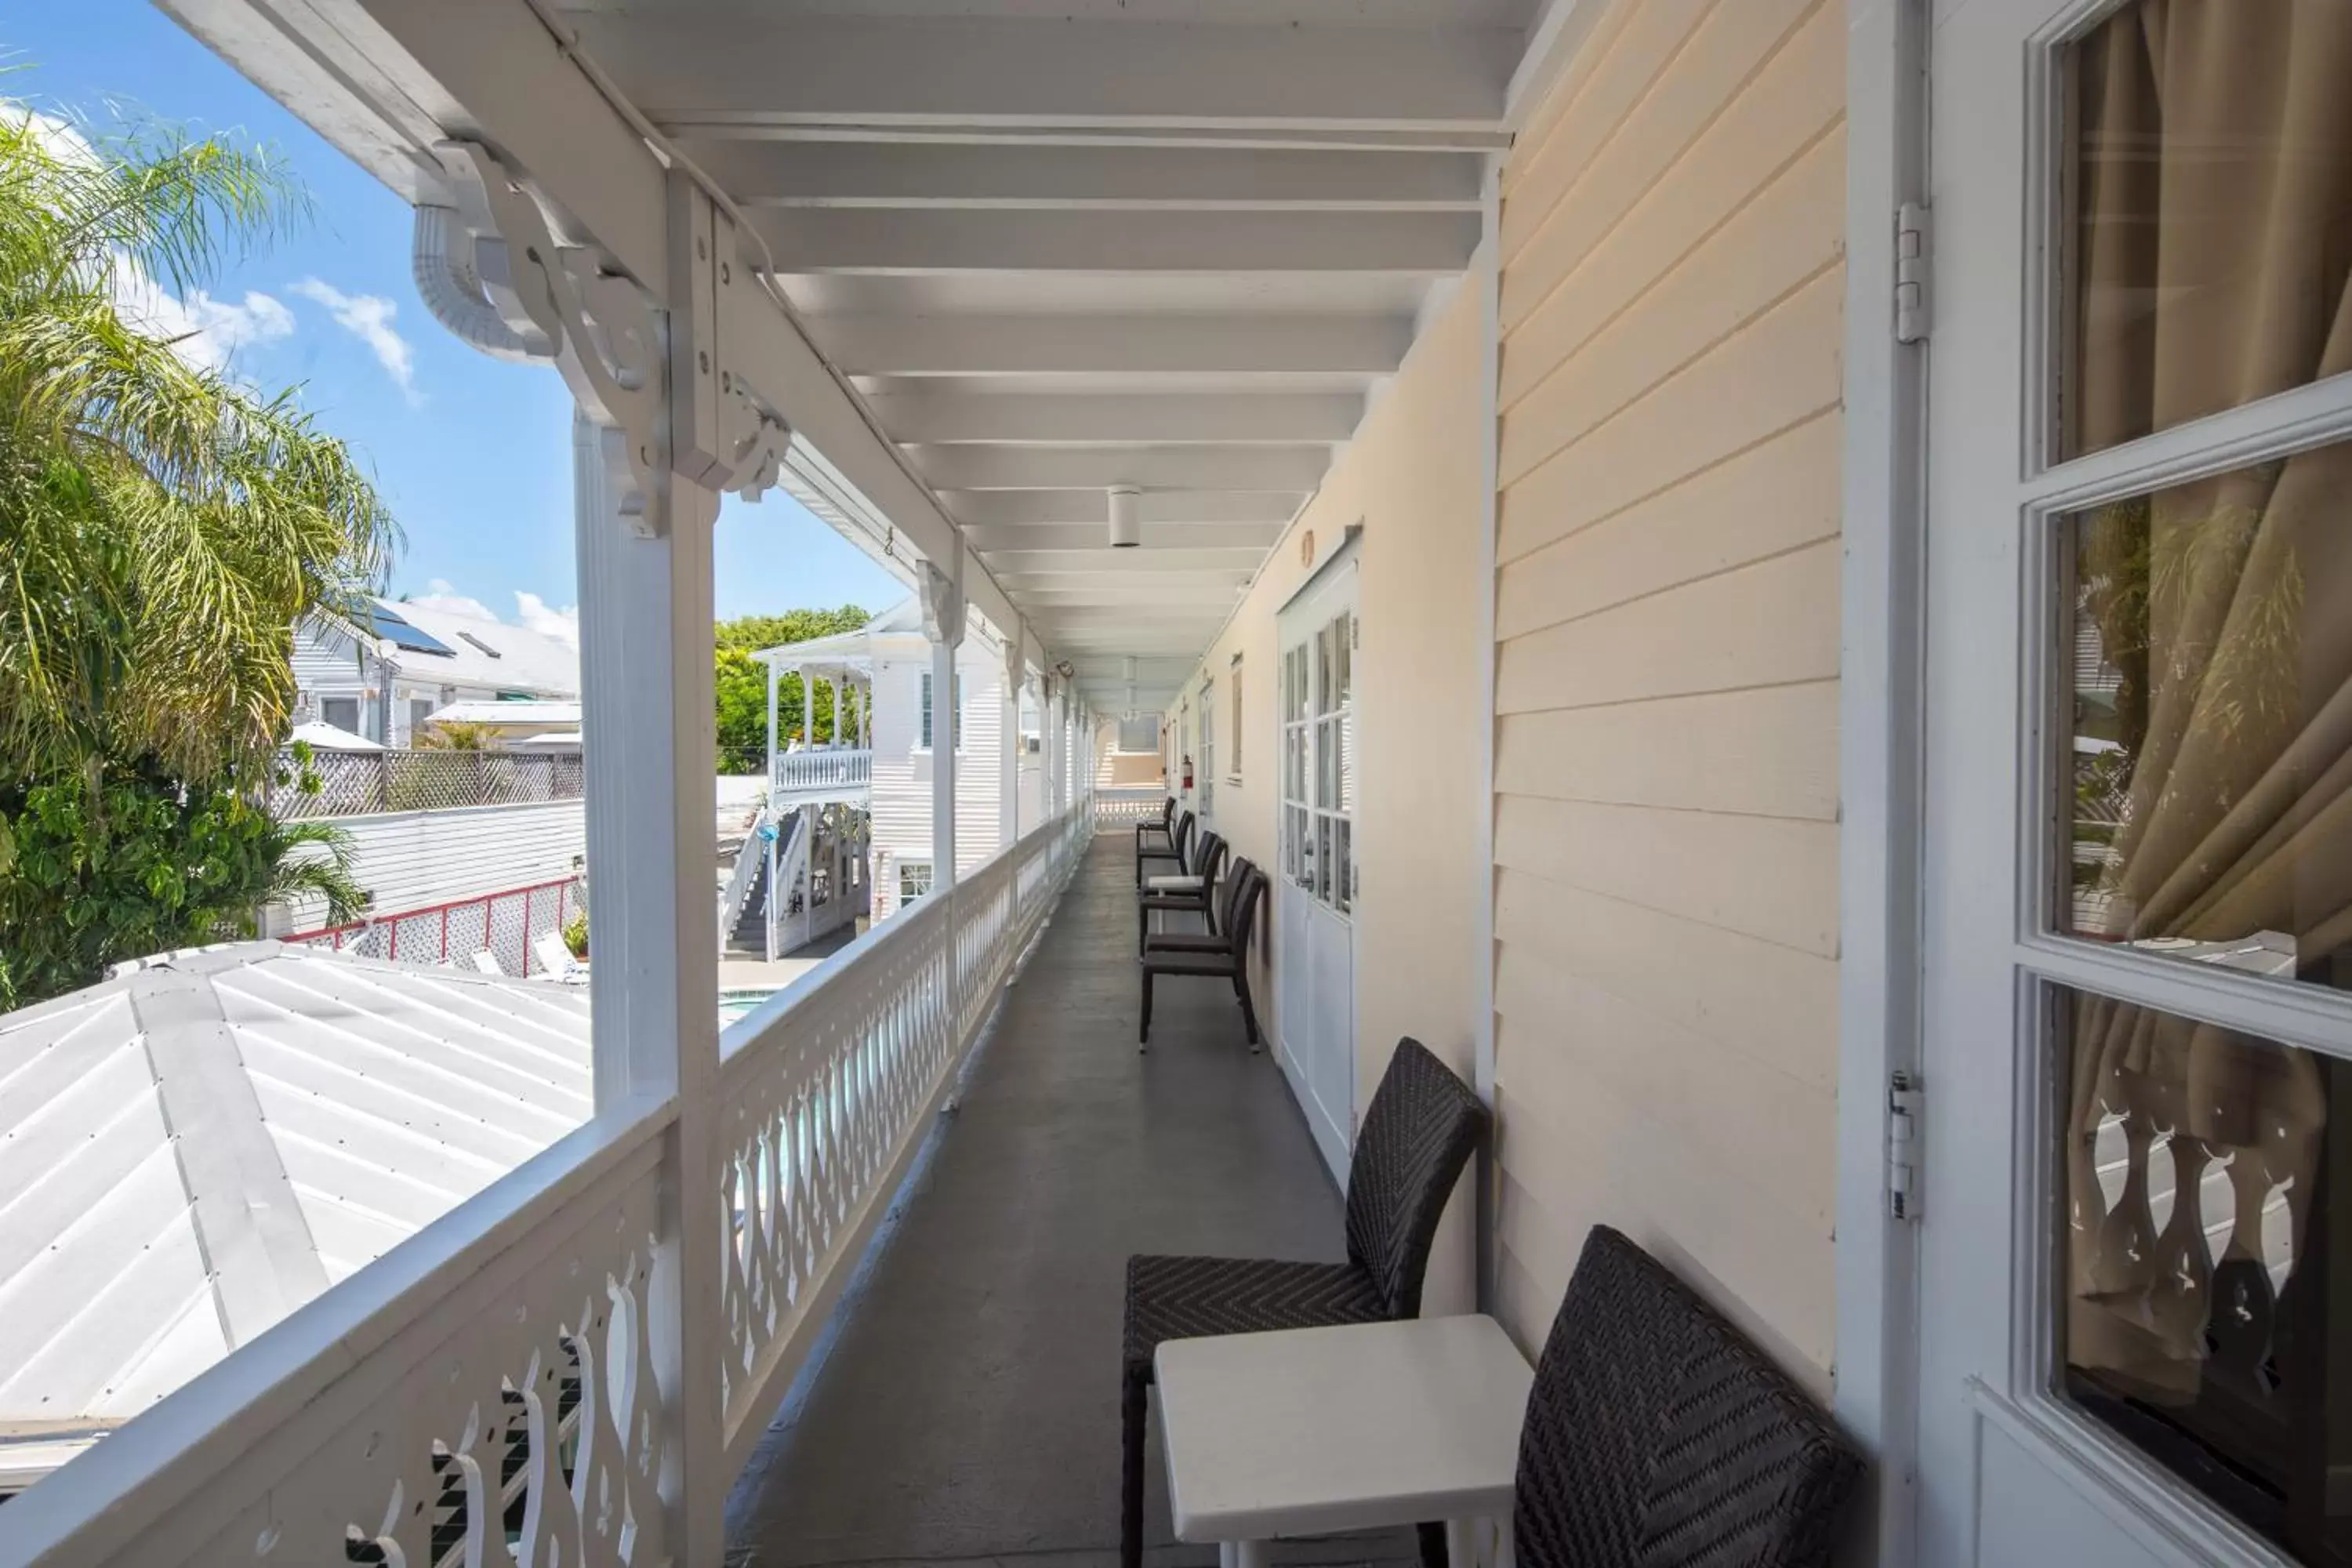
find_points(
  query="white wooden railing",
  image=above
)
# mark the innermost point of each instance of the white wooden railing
(1119, 806)
(818, 772)
(523, 1348)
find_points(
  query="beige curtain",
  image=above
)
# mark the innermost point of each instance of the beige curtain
(2214, 193)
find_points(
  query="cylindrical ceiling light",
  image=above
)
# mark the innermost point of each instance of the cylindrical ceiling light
(1126, 523)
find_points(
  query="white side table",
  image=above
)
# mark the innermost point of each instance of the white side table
(1316, 1431)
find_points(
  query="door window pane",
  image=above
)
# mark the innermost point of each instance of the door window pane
(2209, 231)
(2206, 1219)
(1343, 867)
(2209, 668)
(1342, 636)
(1323, 858)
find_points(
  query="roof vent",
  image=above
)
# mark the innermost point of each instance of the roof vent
(1126, 526)
(480, 644)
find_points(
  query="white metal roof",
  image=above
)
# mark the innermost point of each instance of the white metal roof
(324, 737)
(506, 713)
(193, 1149)
(485, 651)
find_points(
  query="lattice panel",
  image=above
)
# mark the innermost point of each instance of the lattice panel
(359, 783)
(521, 1425)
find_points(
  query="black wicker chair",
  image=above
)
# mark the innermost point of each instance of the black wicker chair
(1150, 830)
(1179, 841)
(1657, 1435)
(1192, 891)
(1420, 1131)
(1219, 955)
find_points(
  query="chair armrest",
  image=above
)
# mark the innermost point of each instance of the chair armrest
(1172, 884)
(1186, 942)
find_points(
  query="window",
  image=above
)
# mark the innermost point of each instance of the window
(1140, 734)
(420, 709)
(2195, 819)
(1234, 697)
(926, 742)
(343, 712)
(914, 880)
(1208, 740)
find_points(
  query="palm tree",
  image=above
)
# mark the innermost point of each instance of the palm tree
(161, 527)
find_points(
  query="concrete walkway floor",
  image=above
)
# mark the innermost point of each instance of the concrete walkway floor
(967, 1409)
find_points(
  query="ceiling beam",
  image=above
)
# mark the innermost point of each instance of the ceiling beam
(950, 345)
(922, 240)
(953, 174)
(1118, 419)
(1029, 564)
(1007, 508)
(1157, 536)
(1297, 469)
(931, 71)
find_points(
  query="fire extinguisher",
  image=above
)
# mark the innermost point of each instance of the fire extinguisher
(1187, 772)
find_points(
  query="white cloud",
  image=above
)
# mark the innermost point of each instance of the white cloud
(531, 612)
(544, 618)
(205, 332)
(369, 318)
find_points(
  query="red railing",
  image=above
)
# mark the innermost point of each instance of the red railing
(505, 923)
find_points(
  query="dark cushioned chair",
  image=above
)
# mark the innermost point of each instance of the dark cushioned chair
(1657, 1437)
(1189, 892)
(1219, 954)
(1179, 843)
(1419, 1131)
(1154, 829)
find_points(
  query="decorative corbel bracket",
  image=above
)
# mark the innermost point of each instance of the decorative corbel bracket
(723, 434)
(609, 339)
(943, 614)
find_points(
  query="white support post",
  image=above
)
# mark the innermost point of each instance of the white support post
(645, 642)
(1008, 800)
(771, 724)
(943, 622)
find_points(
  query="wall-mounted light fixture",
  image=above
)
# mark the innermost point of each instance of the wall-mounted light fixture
(1125, 521)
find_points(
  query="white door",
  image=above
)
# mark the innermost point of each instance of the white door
(1315, 892)
(2135, 1336)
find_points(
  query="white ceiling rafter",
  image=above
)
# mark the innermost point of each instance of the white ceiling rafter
(1039, 247)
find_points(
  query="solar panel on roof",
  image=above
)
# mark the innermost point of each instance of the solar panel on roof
(389, 625)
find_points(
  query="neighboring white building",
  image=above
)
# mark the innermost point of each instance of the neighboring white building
(199, 1145)
(890, 657)
(417, 658)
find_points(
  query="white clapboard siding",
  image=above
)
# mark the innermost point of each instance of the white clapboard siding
(413, 859)
(902, 767)
(1666, 664)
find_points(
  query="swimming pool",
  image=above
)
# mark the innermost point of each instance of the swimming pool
(736, 1001)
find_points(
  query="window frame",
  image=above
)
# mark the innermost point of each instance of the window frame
(923, 730)
(1234, 697)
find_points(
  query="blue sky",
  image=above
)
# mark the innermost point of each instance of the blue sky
(474, 454)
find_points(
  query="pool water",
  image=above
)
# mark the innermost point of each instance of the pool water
(736, 1001)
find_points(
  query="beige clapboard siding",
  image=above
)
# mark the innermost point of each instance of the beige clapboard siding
(1727, 46)
(1775, 497)
(1622, 56)
(1744, 994)
(1766, 876)
(1794, 102)
(1768, 623)
(1766, 753)
(1786, 236)
(1780, 370)
(1666, 666)
(1581, 1154)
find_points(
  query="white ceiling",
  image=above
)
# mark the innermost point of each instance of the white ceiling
(1061, 245)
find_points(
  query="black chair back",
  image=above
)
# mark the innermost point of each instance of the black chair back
(1420, 1129)
(1181, 840)
(1238, 917)
(1167, 811)
(1208, 859)
(1656, 1435)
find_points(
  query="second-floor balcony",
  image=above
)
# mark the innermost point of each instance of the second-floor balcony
(822, 774)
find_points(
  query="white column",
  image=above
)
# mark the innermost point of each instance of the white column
(1008, 801)
(943, 624)
(646, 702)
(772, 722)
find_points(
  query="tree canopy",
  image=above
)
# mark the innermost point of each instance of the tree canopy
(742, 683)
(162, 528)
